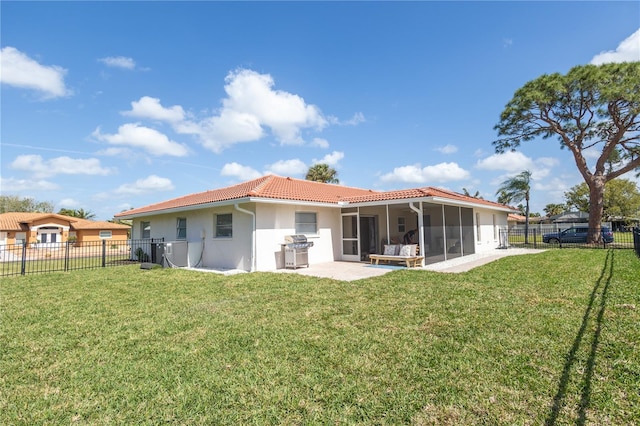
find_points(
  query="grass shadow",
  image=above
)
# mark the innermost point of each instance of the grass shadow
(599, 291)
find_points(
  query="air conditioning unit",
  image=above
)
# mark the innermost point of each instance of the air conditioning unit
(176, 254)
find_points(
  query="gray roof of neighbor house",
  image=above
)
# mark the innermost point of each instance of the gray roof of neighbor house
(272, 187)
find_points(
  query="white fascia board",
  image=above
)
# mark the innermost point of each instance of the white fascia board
(432, 200)
(229, 203)
(186, 208)
(293, 202)
(469, 204)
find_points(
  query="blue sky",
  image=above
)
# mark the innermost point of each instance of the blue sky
(113, 105)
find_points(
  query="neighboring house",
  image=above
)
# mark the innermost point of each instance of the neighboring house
(515, 219)
(244, 226)
(49, 228)
(571, 217)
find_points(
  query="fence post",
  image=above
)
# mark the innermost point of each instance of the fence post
(104, 253)
(66, 256)
(535, 238)
(23, 266)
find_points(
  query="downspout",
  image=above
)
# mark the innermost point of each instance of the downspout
(253, 234)
(421, 228)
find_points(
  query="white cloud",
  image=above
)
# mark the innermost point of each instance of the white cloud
(68, 203)
(17, 185)
(627, 51)
(288, 168)
(222, 131)
(251, 109)
(137, 136)
(443, 172)
(357, 118)
(251, 106)
(319, 142)
(239, 171)
(514, 162)
(330, 159)
(152, 183)
(148, 107)
(60, 165)
(285, 113)
(119, 62)
(447, 149)
(19, 70)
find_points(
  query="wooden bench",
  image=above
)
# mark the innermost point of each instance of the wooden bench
(410, 261)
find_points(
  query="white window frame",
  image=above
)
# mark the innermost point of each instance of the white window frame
(106, 234)
(179, 228)
(299, 224)
(218, 227)
(143, 225)
(401, 224)
(478, 228)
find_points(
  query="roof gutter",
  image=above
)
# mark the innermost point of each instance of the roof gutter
(253, 234)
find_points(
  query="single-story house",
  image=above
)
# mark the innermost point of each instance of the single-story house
(244, 226)
(49, 228)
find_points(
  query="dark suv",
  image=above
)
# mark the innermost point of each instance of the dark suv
(576, 234)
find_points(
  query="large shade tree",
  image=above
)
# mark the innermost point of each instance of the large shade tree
(322, 173)
(621, 199)
(514, 190)
(15, 203)
(590, 109)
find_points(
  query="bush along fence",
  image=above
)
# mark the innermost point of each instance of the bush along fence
(22, 259)
(571, 237)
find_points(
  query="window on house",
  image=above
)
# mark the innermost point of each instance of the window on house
(181, 228)
(145, 229)
(21, 238)
(105, 234)
(478, 227)
(401, 224)
(306, 223)
(224, 225)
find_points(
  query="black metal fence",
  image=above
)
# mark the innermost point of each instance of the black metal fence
(636, 241)
(22, 259)
(569, 238)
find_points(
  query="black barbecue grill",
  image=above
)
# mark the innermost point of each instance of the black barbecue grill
(296, 251)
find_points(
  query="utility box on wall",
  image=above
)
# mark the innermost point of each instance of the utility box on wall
(176, 254)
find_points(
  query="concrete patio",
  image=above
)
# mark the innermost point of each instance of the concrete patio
(351, 271)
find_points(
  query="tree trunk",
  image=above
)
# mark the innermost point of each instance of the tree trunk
(596, 208)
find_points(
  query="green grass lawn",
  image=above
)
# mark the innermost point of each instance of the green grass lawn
(551, 338)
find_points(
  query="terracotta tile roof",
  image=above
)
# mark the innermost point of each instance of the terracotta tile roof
(97, 224)
(425, 192)
(285, 188)
(18, 221)
(270, 186)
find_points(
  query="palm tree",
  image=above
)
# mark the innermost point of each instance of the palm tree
(554, 209)
(322, 173)
(80, 213)
(517, 189)
(465, 191)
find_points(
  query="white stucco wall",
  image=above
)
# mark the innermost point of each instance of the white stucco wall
(489, 235)
(275, 221)
(223, 253)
